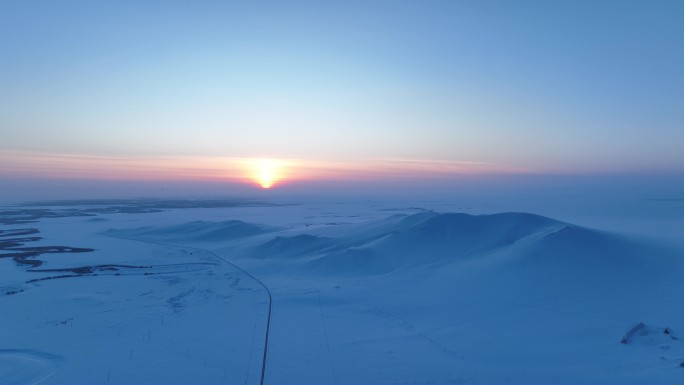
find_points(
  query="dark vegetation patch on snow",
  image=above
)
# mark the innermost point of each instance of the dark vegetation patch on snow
(26, 255)
(32, 212)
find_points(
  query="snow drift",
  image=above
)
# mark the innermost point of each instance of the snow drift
(428, 238)
(434, 238)
(197, 231)
(293, 246)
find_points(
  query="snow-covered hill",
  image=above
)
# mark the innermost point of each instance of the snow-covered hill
(196, 231)
(416, 298)
(407, 241)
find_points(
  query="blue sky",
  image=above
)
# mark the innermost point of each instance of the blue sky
(542, 86)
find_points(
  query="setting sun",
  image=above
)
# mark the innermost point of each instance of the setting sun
(266, 172)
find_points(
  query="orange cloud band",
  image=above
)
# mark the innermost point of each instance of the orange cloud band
(253, 170)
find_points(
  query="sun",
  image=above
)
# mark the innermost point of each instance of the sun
(266, 172)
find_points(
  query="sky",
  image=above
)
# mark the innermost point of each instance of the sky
(339, 90)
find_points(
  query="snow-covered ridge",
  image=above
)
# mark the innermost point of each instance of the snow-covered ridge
(196, 231)
(433, 238)
(406, 241)
(428, 297)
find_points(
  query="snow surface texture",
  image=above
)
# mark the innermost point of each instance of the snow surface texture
(358, 297)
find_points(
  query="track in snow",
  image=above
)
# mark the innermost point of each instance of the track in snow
(255, 279)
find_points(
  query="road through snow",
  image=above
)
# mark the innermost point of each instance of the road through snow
(267, 330)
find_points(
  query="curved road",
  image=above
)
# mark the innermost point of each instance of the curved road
(255, 279)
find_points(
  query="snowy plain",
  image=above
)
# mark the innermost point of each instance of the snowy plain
(351, 292)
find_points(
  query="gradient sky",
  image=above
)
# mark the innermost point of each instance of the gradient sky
(508, 86)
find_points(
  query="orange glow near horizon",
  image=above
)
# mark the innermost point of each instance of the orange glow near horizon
(266, 172)
(263, 172)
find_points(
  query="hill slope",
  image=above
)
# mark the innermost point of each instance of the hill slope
(433, 238)
(197, 231)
